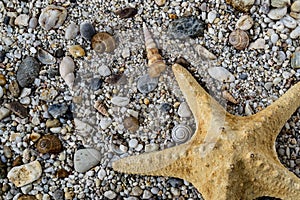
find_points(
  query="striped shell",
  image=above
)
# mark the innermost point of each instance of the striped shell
(49, 144)
(103, 42)
(155, 62)
(181, 133)
(239, 39)
(101, 108)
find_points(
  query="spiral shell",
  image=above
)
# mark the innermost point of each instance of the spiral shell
(66, 70)
(49, 144)
(239, 39)
(155, 62)
(101, 108)
(103, 42)
(181, 133)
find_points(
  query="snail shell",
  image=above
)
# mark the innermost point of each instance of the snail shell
(226, 95)
(155, 62)
(239, 39)
(101, 108)
(49, 144)
(181, 133)
(66, 70)
(103, 42)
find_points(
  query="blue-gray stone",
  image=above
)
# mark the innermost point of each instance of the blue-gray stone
(87, 30)
(147, 84)
(96, 83)
(57, 110)
(28, 70)
(186, 27)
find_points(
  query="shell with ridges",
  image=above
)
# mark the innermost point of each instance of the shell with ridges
(155, 62)
(239, 39)
(49, 144)
(66, 70)
(181, 133)
(103, 42)
(101, 108)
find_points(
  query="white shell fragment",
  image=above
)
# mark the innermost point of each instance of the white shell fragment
(221, 74)
(52, 17)
(244, 23)
(66, 70)
(277, 13)
(204, 53)
(181, 133)
(45, 57)
(25, 174)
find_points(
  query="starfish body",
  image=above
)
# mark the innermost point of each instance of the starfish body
(229, 157)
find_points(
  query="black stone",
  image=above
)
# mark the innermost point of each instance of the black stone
(28, 70)
(3, 170)
(87, 30)
(96, 83)
(59, 53)
(186, 27)
(2, 56)
(6, 20)
(165, 107)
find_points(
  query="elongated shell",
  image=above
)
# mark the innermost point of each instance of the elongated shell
(226, 95)
(181, 133)
(155, 62)
(239, 39)
(49, 144)
(103, 42)
(101, 108)
(66, 70)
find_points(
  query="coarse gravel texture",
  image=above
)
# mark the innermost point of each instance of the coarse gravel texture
(260, 77)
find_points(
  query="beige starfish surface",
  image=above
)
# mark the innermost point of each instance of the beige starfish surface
(229, 157)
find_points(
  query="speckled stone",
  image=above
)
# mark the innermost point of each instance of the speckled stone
(85, 159)
(28, 70)
(186, 27)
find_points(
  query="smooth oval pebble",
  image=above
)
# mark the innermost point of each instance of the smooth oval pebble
(120, 101)
(52, 17)
(280, 3)
(295, 7)
(71, 31)
(295, 60)
(245, 22)
(221, 74)
(45, 57)
(33, 22)
(4, 112)
(87, 30)
(181, 133)
(66, 70)
(49, 144)
(289, 22)
(126, 12)
(76, 51)
(28, 70)
(295, 33)
(146, 84)
(25, 174)
(131, 124)
(22, 20)
(96, 84)
(184, 110)
(85, 159)
(277, 13)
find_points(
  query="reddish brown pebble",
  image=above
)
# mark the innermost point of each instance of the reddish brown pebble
(17, 161)
(126, 12)
(131, 124)
(62, 173)
(49, 144)
(17, 109)
(2, 80)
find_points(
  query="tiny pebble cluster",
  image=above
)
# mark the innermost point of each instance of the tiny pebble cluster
(76, 94)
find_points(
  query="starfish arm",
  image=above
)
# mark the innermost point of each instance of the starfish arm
(169, 162)
(273, 118)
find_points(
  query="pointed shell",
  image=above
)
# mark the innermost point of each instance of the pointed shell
(103, 42)
(49, 144)
(101, 108)
(239, 39)
(226, 95)
(181, 133)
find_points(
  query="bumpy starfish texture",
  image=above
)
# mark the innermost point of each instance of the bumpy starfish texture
(229, 157)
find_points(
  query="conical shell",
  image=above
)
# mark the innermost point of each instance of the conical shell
(66, 70)
(226, 95)
(155, 62)
(101, 108)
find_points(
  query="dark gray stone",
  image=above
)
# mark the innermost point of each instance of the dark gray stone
(96, 83)
(186, 27)
(87, 30)
(28, 70)
(57, 110)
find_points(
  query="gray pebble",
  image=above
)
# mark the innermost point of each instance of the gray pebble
(45, 57)
(146, 194)
(274, 38)
(268, 85)
(58, 194)
(110, 194)
(295, 60)
(28, 70)
(85, 159)
(71, 31)
(33, 22)
(277, 13)
(104, 70)
(105, 123)
(57, 110)
(289, 22)
(120, 101)
(211, 16)
(295, 33)
(22, 20)
(276, 81)
(184, 110)
(133, 143)
(136, 191)
(87, 30)
(146, 84)
(154, 190)
(101, 174)
(4, 112)
(96, 83)
(221, 74)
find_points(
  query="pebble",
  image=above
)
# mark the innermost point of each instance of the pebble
(280, 3)
(131, 124)
(49, 144)
(45, 57)
(136, 191)
(33, 22)
(126, 52)
(66, 70)
(126, 12)
(245, 22)
(211, 16)
(59, 53)
(76, 51)
(151, 147)
(96, 83)
(25, 174)
(27, 197)
(241, 5)
(274, 38)
(186, 27)
(57, 110)
(71, 31)
(295, 33)
(146, 194)
(2, 56)
(221, 74)
(2, 80)
(85, 159)
(87, 30)
(104, 70)
(62, 173)
(295, 60)
(184, 110)
(17, 108)
(165, 107)
(22, 20)
(295, 7)
(3, 170)
(58, 194)
(28, 70)
(120, 101)
(110, 194)
(133, 143)
(1, 92)
(105, 123)
(101, 174)
(4, 112)
(277, 13)
(258, 44)
(52, 17)
(289, 22)
(146, 84)
(48, 94)
(160, 2)
(14, 88)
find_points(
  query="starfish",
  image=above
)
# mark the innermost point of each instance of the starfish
(229, 157)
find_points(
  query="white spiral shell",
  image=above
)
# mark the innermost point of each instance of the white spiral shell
(181, 133)
(66, 70)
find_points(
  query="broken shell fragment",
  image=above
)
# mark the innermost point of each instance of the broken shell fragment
(45, 57)
(52, 17)
(103, 42)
